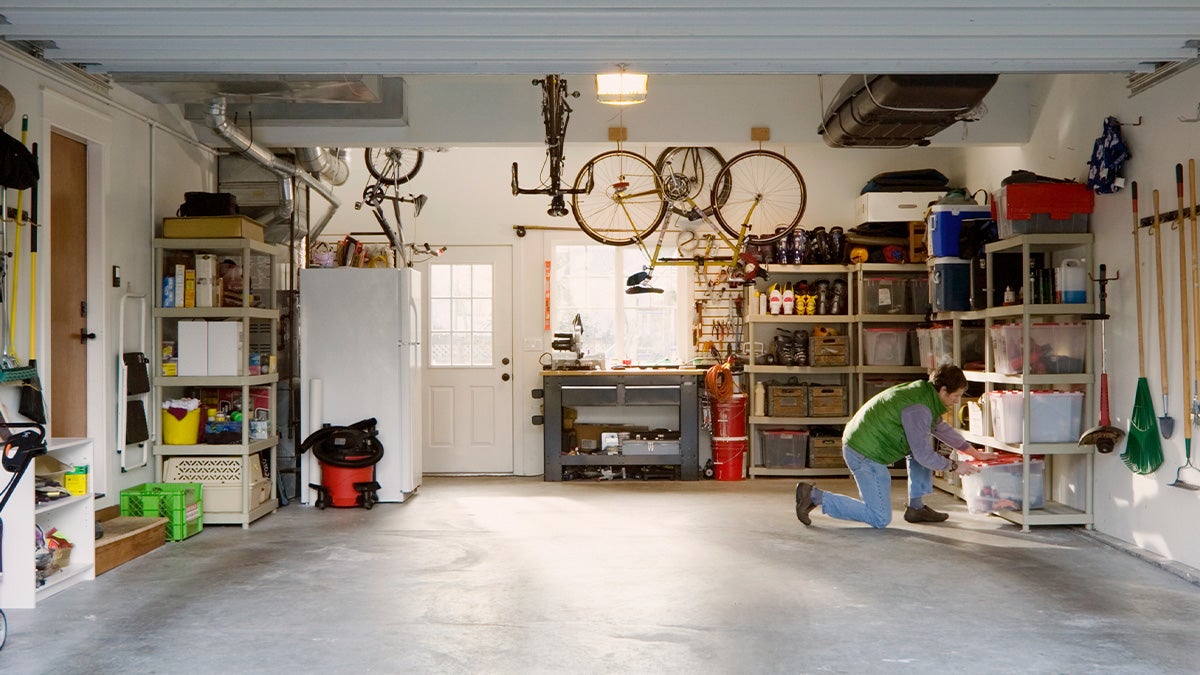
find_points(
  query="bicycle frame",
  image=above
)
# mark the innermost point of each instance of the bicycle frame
(556, 113)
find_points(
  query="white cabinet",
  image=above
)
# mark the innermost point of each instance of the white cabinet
(1068, 469)
(224, 353)
(74, 517)
(360, 357)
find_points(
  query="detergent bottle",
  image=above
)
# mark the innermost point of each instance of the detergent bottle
(1072, 280)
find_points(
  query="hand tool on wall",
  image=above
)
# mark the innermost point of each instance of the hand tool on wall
(1184, 311)
(1188, 475)
(1166, 424)
(1143, 448)
(31, 404)
(10, 351)
(1104, 435)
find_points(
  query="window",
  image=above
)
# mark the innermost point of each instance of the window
(460, 315)
(589, 280)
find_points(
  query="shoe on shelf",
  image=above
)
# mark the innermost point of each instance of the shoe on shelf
(804, 502)
(923, 515)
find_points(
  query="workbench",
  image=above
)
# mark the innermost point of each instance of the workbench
(678, 388)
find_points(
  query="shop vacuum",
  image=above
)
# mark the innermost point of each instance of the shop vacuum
(348, 456)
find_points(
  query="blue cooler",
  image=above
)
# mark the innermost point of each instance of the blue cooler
(950, 284)
(945, 225)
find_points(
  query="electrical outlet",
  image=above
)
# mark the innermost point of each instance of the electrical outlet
(533, 344)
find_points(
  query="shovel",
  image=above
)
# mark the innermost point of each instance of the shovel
(1166, 423)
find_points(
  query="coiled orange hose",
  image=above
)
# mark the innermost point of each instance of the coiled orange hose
(719, 381)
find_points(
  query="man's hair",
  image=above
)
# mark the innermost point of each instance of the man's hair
(948, 376)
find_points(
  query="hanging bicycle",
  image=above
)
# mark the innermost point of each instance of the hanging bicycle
(391, 168)
(556, 113)
(757, 197)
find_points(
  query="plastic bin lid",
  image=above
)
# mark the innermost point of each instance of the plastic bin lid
(886, 329)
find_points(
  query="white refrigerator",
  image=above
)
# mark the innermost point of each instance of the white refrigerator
(360, 357)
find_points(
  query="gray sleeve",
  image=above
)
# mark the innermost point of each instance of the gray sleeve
(917, 419)
(949, 435)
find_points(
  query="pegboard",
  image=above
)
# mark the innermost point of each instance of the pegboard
(716, 317)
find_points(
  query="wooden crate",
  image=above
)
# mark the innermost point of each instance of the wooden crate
(787, 400)
(829, 350)
(827, 400)
(825, 452)
(127, 537)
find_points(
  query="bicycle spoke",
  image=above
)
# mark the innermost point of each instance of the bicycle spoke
(625, 203)
(689, 172)
(766, 193)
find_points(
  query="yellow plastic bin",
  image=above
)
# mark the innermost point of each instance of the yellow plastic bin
(184, 431)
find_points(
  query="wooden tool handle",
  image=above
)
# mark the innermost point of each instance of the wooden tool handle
(1195, 276)
(1184, 309)
(1137, 274)
(1162, 314)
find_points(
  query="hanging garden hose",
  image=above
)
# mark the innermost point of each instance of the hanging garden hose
(719, 381)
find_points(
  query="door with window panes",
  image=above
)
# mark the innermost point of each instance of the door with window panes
(468, 393)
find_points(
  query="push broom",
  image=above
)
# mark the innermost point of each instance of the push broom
(1143, 447)
(1188, 475)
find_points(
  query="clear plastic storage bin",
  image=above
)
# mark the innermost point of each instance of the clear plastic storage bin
(998, 485)
(886, 346)
(1055, 348)
(884, 295)
(1055, 416)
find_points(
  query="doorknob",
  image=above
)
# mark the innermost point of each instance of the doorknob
(84, 336)
(504, 361)
(506, 377)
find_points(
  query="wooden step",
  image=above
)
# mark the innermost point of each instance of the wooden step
(127, 537)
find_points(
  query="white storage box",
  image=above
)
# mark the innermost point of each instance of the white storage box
(997, 486)
(225, 348)
(222, 480)
(893, 207)
(886, 346)
(191, 347)
(1056, 416)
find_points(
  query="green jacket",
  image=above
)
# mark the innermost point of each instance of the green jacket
(877, 433)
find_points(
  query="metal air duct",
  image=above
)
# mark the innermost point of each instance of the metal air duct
(241, 143)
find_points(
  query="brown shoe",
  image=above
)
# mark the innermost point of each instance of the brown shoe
(804, 502)
(924, 515)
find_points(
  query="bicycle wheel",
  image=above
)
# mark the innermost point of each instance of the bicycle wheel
(766, 192)
(687, 175)
(618, 198)
(393, 166)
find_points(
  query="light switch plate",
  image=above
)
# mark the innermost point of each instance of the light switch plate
(533, 344)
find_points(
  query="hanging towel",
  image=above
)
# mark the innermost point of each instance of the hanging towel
(1108, 155)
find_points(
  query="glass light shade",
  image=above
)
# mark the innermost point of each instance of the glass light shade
(621, 88)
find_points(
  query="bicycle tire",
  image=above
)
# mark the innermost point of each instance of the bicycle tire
(765, 187)
(698, 167)
(625, 203)
(393, 166)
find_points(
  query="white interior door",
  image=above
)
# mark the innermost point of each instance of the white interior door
(468, 374)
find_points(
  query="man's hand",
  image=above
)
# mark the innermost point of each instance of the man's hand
(983, 455)
(965, 469)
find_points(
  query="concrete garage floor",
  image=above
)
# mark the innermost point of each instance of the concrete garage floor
(514, 575)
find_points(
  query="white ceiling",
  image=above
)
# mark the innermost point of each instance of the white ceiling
(409, 37)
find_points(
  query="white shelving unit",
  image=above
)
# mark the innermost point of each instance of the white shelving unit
(762, 329)
(1054, 511)
(75, 518)
(259, 323)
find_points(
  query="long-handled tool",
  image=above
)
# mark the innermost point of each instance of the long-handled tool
(1184, 311)
(1166, 423)
(31, 404)
(1104, 435)
(9, 358)
(1188, 475)
(1143, 447)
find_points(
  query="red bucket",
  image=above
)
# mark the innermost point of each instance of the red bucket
(727, 457)
(729, 417)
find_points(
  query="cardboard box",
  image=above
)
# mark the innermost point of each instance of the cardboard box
(209, 227)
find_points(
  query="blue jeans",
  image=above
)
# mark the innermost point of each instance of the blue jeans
(875, 486)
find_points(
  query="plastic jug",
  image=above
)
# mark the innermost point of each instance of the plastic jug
(1072, 281)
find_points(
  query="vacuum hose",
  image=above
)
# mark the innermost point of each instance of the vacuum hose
(353, 447)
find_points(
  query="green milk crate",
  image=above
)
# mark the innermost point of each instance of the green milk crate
(182, 504)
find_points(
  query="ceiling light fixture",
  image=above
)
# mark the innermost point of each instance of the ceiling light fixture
(621, 88)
